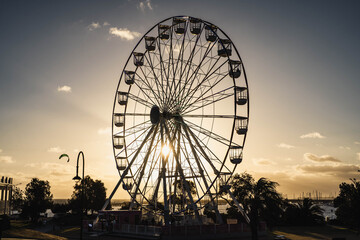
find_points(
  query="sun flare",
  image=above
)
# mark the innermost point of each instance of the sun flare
(165, 150)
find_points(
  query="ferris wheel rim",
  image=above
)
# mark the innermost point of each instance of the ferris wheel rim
(125, 111)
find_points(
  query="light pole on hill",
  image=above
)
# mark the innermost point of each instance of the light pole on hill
(77, 179)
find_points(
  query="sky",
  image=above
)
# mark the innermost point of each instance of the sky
(60, 63)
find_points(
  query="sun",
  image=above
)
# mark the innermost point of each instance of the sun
(165, 150)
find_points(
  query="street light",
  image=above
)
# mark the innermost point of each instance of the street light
(77, 179)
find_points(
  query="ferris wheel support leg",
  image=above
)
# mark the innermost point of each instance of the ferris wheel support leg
(180, 170)
(166, 203)
(239, 207)
(143, 169)
(218, 216)
(124, 174)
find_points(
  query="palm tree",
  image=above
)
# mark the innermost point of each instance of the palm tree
(304, 213)
(259, 198)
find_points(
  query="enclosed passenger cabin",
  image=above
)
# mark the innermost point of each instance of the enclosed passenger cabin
(235, 154)
(179, 25)
(241, 125)
(164, 32)
(129, 77)
(119, 119)
(138, 59)
(223, 180)
(127, 183)
(234, 68)
(122, 98)
(224, 48)
(121, 163)
(210, 33)
(150, 43)
(241, 95)
(195, 26)
(119, 142)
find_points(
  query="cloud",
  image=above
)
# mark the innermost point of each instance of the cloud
(358, 156)
(93, 26)
(124, 33)
(324, 158)
(357, 143)
(55, 150)
(65, 89)
(1, 150)
(344, 147)
(6, 159)
(104, 131)
(106, 24)
(312, 135)
(263, 161)
(145, 4)
(284, 145)
(340, 170)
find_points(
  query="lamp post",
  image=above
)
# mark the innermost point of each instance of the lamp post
(77, 179)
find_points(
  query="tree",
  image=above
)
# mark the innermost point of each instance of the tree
(348, 204)
(17, 199)
(303, 213)
(259, 198)
(38, 198)
(94, 195)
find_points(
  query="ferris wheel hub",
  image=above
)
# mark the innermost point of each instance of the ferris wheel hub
(155, 114)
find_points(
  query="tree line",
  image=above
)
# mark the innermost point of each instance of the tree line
(262, 202)
(37, 198)
(260, 199)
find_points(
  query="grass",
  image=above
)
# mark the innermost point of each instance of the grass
(30, 233)
(317, 232)
(22, 229)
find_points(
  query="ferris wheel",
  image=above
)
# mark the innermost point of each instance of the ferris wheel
(180, 117)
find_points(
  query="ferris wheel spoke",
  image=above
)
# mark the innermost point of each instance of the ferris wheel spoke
(149, 87)
(192, 77)
(194, 172)
(201, 146)
(196, 70)
(157, 82)
(139, 100)
(144, 164)
(208, 100)
(207, 116)
(190, 59)
(209, 134)
(198, 143)
(205, 177)
(134, 129)
(206, 90)
(191, 92)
